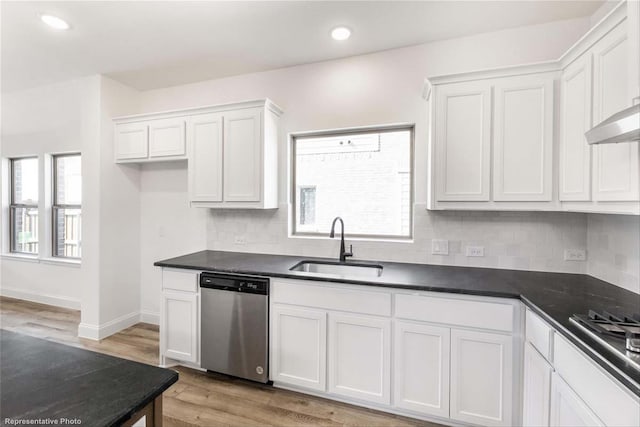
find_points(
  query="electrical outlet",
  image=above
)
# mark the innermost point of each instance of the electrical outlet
(240, 240)
(475, 251)
(575, 255)
(439, 247)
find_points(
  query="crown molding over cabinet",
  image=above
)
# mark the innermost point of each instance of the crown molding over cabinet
(513, 138)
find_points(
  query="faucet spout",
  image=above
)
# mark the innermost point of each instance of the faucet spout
(343, 253)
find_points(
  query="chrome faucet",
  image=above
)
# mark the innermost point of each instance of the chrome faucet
(343, 253)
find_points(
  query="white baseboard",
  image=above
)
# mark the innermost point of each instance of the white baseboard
(54, 300)
(98, 332)
(150, 317)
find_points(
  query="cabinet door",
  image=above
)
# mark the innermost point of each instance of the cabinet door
(463, 141)
(299, 351)
(243, 155)
(482, 378)
(204, 137)
(523, 144)
(131, 141)
(166, 137)
(179, 326)
(567, 409)
(421, 368)
(537, 389)
(615, 165)
(359, 357)
(575, 153)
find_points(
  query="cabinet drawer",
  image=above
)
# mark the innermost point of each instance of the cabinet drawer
(331, 298)
(608, 400)
(539, 334)
(180, 280)
(477, 314)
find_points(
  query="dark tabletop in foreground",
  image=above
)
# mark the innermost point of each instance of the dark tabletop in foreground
(554, 296)
(41, 379)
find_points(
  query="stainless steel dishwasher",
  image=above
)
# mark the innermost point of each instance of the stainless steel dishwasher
(235, 325)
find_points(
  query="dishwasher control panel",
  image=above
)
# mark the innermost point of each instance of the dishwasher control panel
(233, 283)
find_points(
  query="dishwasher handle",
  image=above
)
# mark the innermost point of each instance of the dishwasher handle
(222, 282)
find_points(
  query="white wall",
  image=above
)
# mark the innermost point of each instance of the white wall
(614, 249)
(168, 227)
(39, 121)
(378, 88)
(111, 232)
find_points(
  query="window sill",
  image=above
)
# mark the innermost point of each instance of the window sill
(75, 263)
(62, 261)
(21, 257)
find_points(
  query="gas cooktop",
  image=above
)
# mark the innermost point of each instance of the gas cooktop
(619, 333)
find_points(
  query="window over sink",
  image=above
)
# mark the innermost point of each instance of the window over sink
(364, 176)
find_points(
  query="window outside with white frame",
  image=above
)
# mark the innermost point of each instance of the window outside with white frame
(23, 208)
(363, 177)
(67, 206)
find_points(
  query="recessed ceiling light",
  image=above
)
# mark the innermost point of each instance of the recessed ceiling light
(55, 22)
(340, 33)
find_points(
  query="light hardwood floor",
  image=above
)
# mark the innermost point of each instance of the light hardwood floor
(198, 398)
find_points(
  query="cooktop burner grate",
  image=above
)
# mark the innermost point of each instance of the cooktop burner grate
(610, 324)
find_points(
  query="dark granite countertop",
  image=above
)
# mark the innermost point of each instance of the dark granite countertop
(553, 296)
(41, 379)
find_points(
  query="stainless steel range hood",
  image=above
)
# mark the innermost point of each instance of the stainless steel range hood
(621, 127)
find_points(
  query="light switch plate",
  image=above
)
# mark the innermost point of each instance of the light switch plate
(575, 255)
(439, 247)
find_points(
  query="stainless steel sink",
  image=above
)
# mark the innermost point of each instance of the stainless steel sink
(344, 270)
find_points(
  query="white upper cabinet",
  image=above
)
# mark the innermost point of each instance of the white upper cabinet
(142, 140)
(232, 150)
(615, 165)
(243, 155)
(463, 142)
(523, 129)
(131, 141)
(513, 138)
(575, 153)
(205, 158)
(167, 137)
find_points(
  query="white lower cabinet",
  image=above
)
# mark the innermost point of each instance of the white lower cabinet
(360, 357)
(387, 349)
(567, 409)
(481, 378)
(179, 326)
(537, 388)
(299, 344)
(421, 368)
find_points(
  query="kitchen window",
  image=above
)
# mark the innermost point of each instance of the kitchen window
(67, 206)
(363, 176)
(23, 208)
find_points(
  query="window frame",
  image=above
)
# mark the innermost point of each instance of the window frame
(293, 186)
(56, 207)
(13, 206)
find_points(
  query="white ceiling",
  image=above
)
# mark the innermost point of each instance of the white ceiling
(151, 44)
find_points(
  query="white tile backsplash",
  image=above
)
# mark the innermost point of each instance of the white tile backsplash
(613, 250)
(511, 240)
